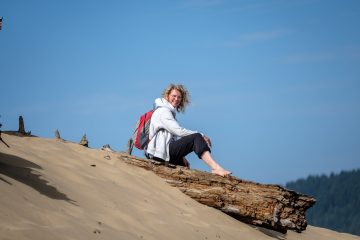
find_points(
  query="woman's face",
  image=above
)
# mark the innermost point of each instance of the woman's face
(174, 98)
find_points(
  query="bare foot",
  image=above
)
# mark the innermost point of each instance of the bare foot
(221, 172)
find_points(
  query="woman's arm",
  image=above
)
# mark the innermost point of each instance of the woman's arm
(171, 125)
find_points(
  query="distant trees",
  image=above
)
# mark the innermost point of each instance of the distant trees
(338, 200)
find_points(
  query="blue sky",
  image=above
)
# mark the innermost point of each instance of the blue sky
(274, 84)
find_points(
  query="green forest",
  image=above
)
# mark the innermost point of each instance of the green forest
(338, 200)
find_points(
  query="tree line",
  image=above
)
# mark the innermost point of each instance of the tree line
(338, 200)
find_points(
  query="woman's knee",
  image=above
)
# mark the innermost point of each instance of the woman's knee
(198, 136)
(200, 145)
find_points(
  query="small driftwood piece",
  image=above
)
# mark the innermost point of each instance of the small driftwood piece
(21, 125)
(130, 146)
(58, 136)
(265, 205)
(107, 148)
(21, 130)
(2, 140)
(84, 142)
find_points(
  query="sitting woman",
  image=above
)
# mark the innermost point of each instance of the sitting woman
(164, 131)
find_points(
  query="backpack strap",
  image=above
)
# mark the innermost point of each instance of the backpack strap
(156, 131)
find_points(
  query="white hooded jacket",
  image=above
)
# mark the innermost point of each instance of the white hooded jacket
(163, 129)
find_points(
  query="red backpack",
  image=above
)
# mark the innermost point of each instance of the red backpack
(140, 136)
(141, 132)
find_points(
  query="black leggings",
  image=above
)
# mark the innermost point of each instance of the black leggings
(185, 145)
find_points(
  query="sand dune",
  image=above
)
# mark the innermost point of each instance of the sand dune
(61, 190)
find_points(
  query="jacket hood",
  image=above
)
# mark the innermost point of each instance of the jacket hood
(162, 102)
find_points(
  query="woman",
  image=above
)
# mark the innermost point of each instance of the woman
(164, 132)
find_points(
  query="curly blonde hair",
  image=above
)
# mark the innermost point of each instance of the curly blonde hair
(185, 96)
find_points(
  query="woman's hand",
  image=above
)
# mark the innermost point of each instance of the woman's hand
(207, 140)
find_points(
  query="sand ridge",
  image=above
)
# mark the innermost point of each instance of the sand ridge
(61, 190)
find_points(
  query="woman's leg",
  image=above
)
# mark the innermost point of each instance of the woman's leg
(194, 143)
(185, 145)
(215, 167)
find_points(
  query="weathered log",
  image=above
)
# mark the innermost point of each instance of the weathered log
(266, 205)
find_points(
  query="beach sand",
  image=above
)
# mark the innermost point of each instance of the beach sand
(61, 190)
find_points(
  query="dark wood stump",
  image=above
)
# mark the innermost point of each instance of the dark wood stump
(21, 126)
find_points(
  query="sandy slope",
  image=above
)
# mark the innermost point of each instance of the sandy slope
(57, 190)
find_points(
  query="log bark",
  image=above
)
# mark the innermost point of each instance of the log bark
(265, 205)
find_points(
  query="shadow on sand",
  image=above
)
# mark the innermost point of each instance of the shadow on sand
(272, 233)
(23, 171)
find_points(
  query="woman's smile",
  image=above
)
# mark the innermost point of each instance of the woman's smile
(174, 98)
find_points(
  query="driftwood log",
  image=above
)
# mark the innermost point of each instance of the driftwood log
(265, 205)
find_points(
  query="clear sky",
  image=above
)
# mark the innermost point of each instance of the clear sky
(274, 84)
